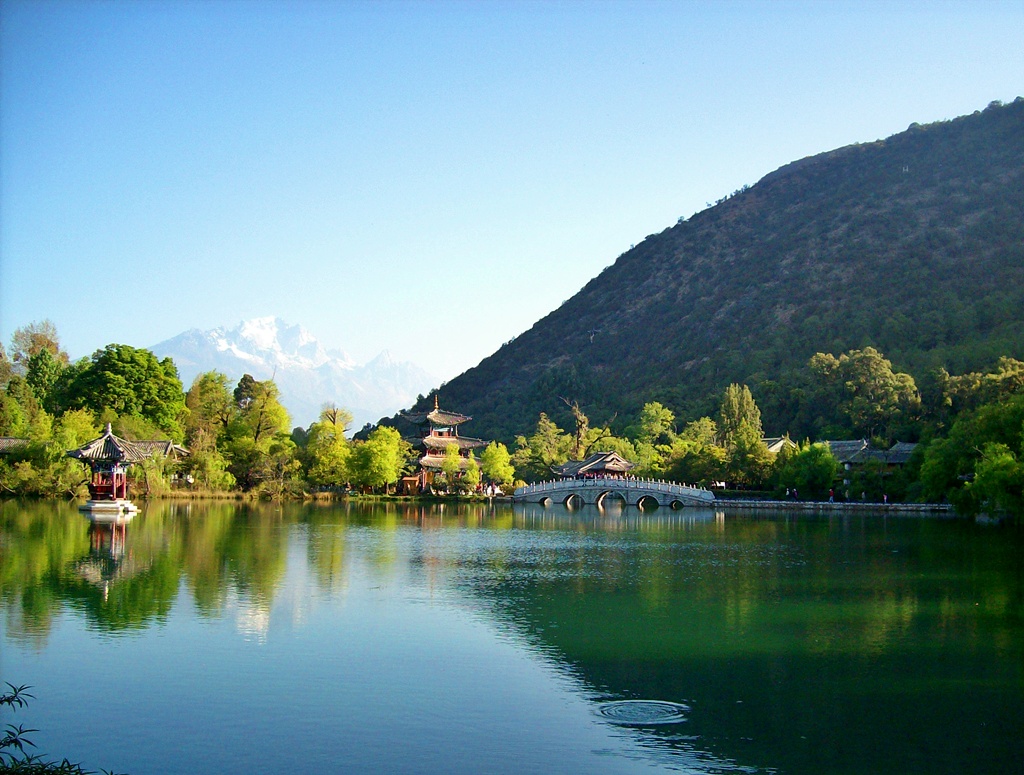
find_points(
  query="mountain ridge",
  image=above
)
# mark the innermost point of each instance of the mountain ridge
(913, 244)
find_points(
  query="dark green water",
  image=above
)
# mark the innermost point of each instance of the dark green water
(227, 638)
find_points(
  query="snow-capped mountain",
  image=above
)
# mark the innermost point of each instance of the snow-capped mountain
(307, 374)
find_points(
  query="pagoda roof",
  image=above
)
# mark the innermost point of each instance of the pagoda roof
(436, 462)
(109, 447)
(442, 442)
(436, 417)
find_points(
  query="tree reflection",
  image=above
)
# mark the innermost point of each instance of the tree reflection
(775, 631)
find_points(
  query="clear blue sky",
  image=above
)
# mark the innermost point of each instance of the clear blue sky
(431, 178)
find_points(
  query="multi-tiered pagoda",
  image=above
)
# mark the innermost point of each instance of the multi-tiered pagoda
(438, 430)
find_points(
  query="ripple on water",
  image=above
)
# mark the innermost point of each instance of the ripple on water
(643, 712)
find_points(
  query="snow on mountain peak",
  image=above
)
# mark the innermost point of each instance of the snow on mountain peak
(262, 332)
(307, 373)
(273, 341)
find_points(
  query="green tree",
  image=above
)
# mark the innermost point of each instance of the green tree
(17, 407)
(380, 460)
(152, 476)
(496, 464)
(810, 469)
(206, 464)
(211, 406)
(133, 427)
(132, 382)
(74, 428)
(41, 468)
(243, 393)
(327, 450)
(261, 416)
(749, 460)
(609, 443)
(471, 476)
(943, 396)
(42, 374)
(279, 469)
(695, 456)
(244, 459)
(998, 484)
(548, 446)
(655, 423)
(984, 436)
(650, 451)
(861, 387)
(738, 410)
(63, 392)
(451, 466)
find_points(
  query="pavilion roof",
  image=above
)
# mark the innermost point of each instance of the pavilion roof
(900, 452)
(10, 444)
(857, 451)
(853, 451)
(165, 448)
(776, 444)
(596, 463)
(109, 447)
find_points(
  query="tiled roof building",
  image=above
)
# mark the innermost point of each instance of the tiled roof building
(438, 430)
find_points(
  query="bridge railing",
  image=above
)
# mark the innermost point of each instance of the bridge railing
(630, 483)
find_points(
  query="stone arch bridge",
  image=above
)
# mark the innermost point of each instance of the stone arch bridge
(635, 492)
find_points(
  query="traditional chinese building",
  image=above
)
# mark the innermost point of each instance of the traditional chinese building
(597, 465)
(438, 430)
(108, 458)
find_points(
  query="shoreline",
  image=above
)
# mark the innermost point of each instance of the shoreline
(937, 510)
(916, 509)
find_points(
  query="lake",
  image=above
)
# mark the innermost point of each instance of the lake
(235, 638)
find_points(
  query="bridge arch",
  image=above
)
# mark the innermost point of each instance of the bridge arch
(647, 502)
(573, 501)
(611, 495)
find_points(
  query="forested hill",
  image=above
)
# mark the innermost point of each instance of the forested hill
(913, 245)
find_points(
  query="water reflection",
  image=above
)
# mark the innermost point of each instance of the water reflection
(107, 559)
(797, 645)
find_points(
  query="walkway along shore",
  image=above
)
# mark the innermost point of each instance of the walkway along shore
(896, 509)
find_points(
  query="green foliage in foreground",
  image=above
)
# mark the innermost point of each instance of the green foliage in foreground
(14, 757)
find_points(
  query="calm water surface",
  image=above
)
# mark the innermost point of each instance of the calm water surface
(221, 638)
